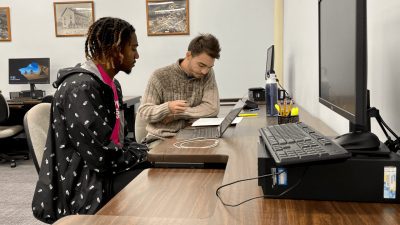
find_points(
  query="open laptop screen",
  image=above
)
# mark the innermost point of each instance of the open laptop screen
(232, 115)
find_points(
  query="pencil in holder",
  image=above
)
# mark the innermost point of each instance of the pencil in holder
(288, 119)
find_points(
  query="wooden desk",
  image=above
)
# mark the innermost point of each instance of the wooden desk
(187, 196)
(23, 103)
(18, 110)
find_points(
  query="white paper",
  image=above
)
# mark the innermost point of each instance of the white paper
(215, 121)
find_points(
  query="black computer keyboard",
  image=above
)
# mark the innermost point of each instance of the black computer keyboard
(19, 100)
(294, 143)
(15, 102)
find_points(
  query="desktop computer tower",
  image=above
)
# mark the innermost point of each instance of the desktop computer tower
(360, 178)
(14, 94)
(36, 94)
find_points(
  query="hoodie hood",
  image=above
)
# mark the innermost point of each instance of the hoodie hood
(88, 68)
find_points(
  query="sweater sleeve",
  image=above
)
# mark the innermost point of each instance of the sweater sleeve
(152, 109)
(209, 107)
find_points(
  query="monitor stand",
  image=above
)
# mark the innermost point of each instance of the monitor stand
(33, 93)
(360, 139)
(362, 143)
(33, 88)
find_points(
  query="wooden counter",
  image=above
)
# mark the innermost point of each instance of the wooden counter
(187, 196)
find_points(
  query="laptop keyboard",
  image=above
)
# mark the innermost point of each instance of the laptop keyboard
(17, 101)
(205, 132)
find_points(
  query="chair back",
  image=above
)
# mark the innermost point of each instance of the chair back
(4, 110)
(36, 124)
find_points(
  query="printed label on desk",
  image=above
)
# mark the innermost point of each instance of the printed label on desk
(389, 182)
(281, 178)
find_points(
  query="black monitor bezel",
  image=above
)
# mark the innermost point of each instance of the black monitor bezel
(360, 120)
(27, 81)
(270, 54)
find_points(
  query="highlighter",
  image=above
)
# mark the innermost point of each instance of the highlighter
(248, 114)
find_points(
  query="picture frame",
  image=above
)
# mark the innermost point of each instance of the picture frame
(73, 18)
(5, 26)
(167, 17)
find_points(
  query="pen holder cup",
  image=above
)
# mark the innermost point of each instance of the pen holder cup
(288, 119)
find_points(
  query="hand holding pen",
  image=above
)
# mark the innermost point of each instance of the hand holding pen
(177, 106)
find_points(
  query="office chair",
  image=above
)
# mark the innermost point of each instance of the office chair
(36, 124)
(47, 98)
(7, 134)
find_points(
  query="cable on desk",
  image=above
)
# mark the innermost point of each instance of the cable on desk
(261, 196)
(182, 144)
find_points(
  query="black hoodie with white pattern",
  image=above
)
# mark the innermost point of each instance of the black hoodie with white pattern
(79, 158)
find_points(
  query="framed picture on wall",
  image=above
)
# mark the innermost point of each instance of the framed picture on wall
(5, 28)
(73, 18)
(167, 17)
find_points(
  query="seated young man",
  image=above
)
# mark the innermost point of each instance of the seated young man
(182, 91)
(87, 160)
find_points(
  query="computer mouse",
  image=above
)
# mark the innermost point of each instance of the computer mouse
(365, 141)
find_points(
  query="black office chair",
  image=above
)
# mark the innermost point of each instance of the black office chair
(10, 147)
(48, 98)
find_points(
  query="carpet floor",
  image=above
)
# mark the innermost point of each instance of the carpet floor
(16, 190)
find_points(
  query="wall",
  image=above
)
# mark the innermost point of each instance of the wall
(244, 28)
(301, 60)
(278, 40)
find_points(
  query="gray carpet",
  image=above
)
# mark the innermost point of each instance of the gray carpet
(16, 190)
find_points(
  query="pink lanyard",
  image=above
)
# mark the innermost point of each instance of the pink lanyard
(115, 133)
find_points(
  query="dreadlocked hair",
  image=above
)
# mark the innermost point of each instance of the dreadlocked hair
(106, 38)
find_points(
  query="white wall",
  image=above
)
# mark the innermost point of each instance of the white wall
(244, 28)
(301, 60)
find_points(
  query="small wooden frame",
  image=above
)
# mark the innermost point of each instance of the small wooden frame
(5, 27)
(73, 18)
(167, 17)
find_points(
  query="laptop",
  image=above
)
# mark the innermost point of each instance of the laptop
(213, 131)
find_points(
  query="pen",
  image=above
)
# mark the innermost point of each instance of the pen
(290, 108)
(284, 107)
(280, 108)
(248, 114)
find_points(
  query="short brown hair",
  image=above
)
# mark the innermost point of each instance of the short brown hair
(205, 43)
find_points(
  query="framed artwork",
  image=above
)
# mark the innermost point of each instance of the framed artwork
(167, 17)
(5, 28)
(73, 18)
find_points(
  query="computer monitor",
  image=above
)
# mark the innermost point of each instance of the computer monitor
(343, 68)
(270, 62)
(29, 71)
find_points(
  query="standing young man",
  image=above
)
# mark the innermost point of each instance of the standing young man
(87, 160)
(184, 90)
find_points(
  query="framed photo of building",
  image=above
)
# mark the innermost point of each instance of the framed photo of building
(5, 28)
(166, 17)
(73, 18)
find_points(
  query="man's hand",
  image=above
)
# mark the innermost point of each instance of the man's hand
(177, 106)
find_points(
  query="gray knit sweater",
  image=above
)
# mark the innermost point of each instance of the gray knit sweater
(172, 83)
